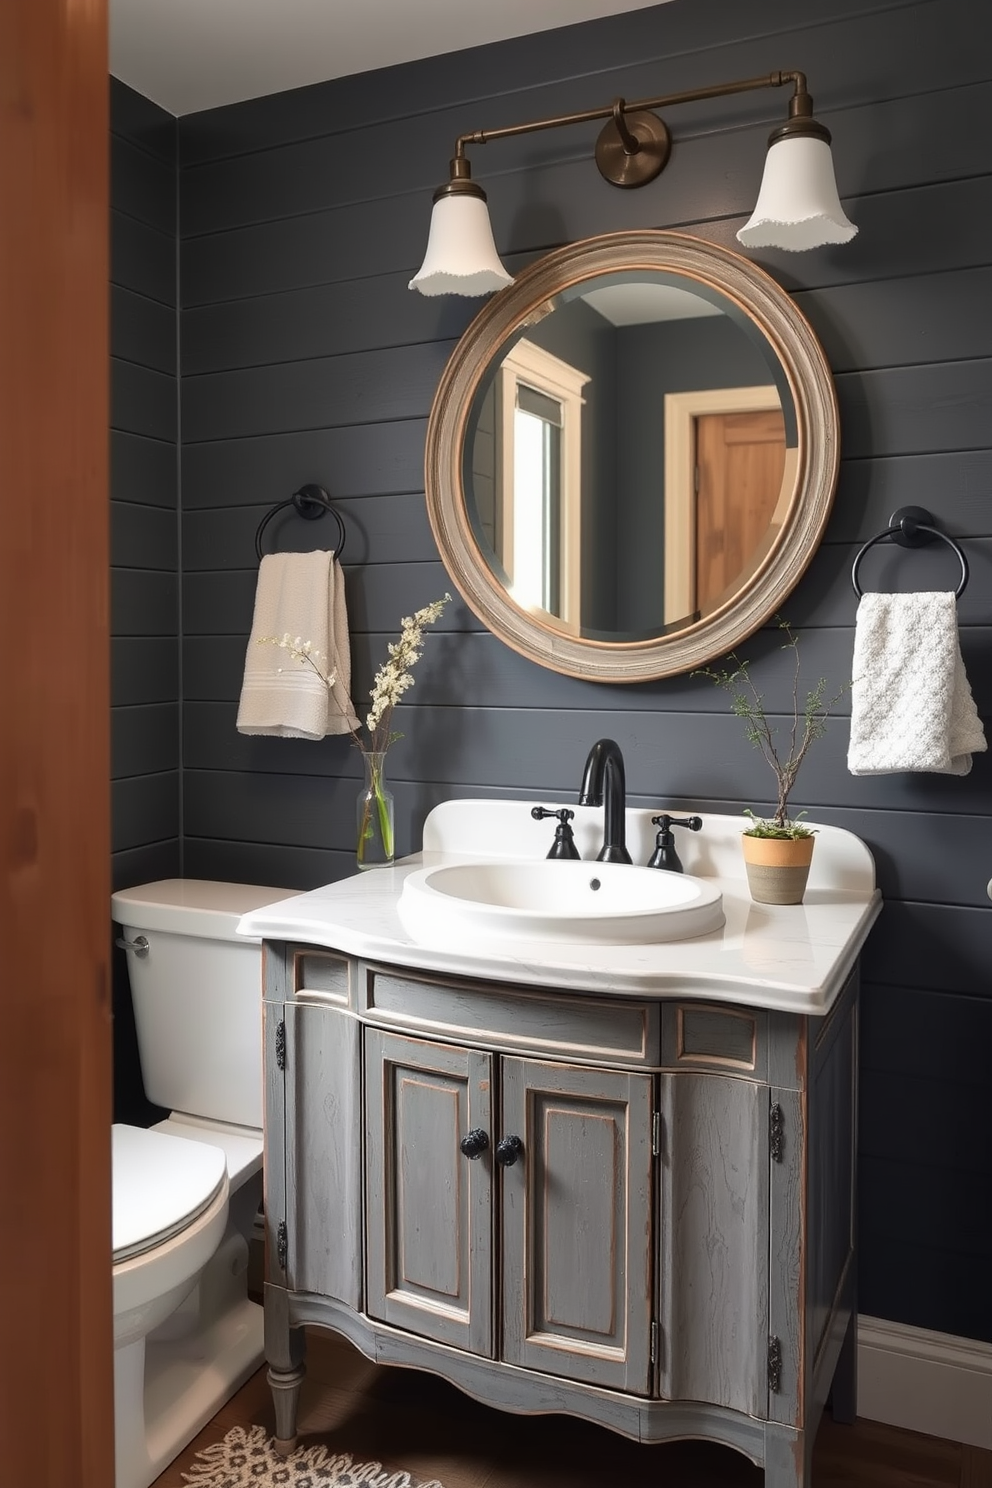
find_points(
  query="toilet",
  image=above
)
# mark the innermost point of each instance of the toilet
(187, 1191)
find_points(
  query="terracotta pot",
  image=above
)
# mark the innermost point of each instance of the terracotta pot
(777, 867)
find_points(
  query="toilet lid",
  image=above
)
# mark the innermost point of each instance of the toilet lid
(161, 1184)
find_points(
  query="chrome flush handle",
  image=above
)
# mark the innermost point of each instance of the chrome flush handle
(139, 945)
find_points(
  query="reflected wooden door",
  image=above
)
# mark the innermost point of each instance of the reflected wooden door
(740, 461)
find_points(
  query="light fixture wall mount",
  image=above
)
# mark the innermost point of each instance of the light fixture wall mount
(798, 205)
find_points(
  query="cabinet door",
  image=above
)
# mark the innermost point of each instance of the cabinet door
(428, 1207)
(323, 1152)
(713, 1267)
(576, 1223)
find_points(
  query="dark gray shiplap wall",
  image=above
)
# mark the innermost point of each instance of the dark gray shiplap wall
(144, 528)
(305, 358)
(144, 490)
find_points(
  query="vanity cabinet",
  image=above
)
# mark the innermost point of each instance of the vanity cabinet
(636, 1210)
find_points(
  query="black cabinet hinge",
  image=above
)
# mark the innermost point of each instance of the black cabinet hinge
(776, 1133)
(774, 1365)
(282, 1244)
(281, 1045)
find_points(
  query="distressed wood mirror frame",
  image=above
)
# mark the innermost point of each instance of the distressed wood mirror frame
(803, 508)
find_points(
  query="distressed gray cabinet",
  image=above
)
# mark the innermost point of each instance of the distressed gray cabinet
(637, 1210)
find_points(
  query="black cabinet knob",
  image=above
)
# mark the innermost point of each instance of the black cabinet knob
(474, 1143)
(508, 1149)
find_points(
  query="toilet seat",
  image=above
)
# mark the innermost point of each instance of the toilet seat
(161, 1185)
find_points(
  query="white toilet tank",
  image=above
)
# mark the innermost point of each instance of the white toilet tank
(197, 994)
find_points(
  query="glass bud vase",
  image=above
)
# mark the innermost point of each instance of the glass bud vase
(375, 815)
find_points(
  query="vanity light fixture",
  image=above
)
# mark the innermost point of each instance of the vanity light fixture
(798, 206)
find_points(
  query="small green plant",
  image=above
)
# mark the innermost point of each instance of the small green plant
(808, 723)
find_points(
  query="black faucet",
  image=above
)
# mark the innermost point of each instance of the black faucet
(603, 780)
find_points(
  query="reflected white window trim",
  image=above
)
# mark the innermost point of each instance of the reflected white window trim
(681, 412)
(532, 366)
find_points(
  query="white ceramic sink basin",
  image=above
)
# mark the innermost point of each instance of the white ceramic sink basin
(574, 902)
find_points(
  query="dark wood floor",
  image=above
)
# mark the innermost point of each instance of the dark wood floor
(405, 1419)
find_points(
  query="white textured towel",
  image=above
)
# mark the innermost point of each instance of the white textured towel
(300, 594)
(911, 705)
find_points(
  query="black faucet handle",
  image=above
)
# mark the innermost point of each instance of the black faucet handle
(564, 843)
(664, 855)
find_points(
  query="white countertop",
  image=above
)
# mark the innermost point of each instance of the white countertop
(795, 958)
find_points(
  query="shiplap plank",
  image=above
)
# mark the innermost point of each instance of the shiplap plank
(358, 315)
(144, 810)
(143, 470)
(363, 460)
(142, 185)
(937, 1289)
(143, 536)
(950, 1219)
(144, 669)
(142, 330)
(323, 391)
(904, 321)
(142, 258)
(145, 864)
(916, 410)
(144, 739)
(934, 946)
(265, 863)
(895, 1121)
(912, 1031)
(142, 401)
(143, 603)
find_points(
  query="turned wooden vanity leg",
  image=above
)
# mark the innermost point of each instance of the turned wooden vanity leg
(844, 1390)
(285, 1351)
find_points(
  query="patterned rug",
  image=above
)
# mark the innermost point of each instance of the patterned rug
(248, 1459)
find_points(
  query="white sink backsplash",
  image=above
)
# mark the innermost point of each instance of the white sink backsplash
(506, 829)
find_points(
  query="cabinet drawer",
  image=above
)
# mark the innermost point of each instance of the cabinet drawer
(321, 976)
(706, 1036)
(577, 1026)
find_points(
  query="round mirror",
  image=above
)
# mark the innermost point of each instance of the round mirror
(631, 456)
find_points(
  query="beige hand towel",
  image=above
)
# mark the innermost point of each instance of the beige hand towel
(302, 595)
(911, 705)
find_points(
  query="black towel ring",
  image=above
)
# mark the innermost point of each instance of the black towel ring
(912, 527)
(310, 502)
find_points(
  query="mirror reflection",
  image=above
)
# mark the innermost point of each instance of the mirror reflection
(630, 456)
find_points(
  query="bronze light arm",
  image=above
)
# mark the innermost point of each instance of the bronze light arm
(635, 145)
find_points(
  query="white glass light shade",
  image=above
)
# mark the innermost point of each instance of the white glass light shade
(798, 206)
(461, 256)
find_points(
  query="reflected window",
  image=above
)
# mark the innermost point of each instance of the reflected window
(537, 429)
(537, 528)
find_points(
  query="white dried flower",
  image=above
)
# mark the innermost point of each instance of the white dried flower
(392, 679)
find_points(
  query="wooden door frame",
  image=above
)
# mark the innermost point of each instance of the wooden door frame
(681, 412)
(56, 1394)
